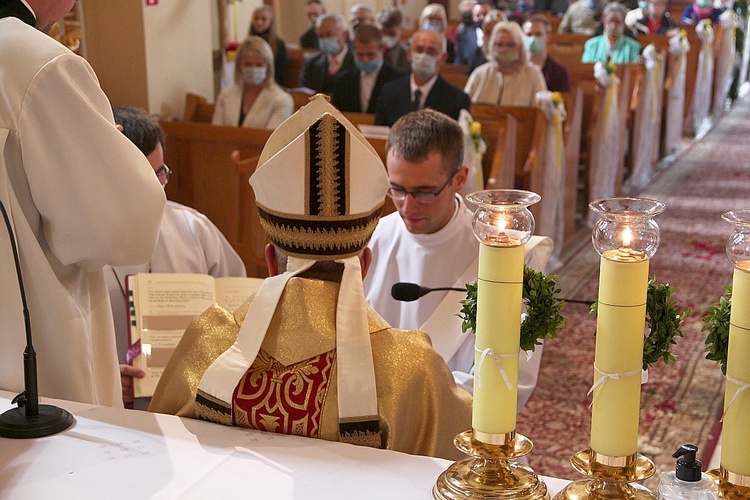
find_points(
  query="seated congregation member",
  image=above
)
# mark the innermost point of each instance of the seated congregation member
(429, 241)
(263, 24)
(508, 79)
(488, 24)
(357, 89)
(188, 242)
(434, 18)
(360, 14)
(423, 87)
(313, 10)
(355, 378)
(700, 10)
(471, 37)
(656, 20)
(580, 18)
(612, 46)
(390, 20)
(255, 99)
(335, 55)
(537, 29)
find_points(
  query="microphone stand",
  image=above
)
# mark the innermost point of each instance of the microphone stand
(29, 419)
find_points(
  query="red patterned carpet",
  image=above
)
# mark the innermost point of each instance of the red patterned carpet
(682, 401)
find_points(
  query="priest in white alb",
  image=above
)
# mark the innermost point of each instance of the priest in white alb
(429, 241)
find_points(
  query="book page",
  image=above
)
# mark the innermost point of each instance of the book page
(164, 304)
(231, 292)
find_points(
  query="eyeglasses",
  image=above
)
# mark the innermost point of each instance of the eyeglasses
(425, 197)
(163, 173)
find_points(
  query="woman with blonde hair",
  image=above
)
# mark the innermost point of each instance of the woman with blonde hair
(255, 100)
(433, 17)
(508, 78)
(262, 24)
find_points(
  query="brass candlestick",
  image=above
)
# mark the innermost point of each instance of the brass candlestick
(492, 472)
(731, 486)
(610, 477)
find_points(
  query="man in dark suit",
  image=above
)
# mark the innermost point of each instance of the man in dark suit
(357, 90)
(423, 87)
(313, 9)
(335, 56)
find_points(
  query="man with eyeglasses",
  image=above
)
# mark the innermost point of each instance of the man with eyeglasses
(188, 242)
(429, 241)
(423, 87)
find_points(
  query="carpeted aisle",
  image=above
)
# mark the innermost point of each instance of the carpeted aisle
(682, 401)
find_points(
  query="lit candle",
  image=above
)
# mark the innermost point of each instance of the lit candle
(503, 224)
(735, 448)
(623, 283)
(626, 237)
(499, 301)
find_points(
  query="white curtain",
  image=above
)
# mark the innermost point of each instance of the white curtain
(679, 46)
(605, 148)
(473, 154)
(724, 62)
(550, 221)
(645, 132)
(703, 79)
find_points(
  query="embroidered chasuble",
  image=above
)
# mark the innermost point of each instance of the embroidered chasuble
(291, 387)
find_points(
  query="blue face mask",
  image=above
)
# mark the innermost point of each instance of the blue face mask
(642, 5)
(427, 25)
(367, 67)
(329, 45)
(534, 44)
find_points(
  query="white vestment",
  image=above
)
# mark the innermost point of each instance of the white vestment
(435, 260)
(79, 196)
(188, 243)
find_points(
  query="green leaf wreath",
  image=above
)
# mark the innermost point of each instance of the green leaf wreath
(663, 319)
(543, 318)
(717, 325)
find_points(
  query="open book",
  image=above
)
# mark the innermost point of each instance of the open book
(162, 305)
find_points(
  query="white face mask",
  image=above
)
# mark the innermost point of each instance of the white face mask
(390, 41)
(252, 75)
(423, 65)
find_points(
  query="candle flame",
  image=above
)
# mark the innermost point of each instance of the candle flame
(627, 235)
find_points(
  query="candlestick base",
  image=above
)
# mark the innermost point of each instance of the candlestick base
(731, 485)
(492, 473)
(609, 477)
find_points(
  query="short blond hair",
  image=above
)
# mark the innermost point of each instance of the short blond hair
(432, 9)
(256, 44)
(514, 30)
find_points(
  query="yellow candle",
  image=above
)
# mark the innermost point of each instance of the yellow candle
(735, 448)
(623, 283)
(499, 301)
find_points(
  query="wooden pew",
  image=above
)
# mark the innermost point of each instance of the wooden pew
(531, 127)
(247, 236)
(197, 109)
(296, 58)
(199, 155)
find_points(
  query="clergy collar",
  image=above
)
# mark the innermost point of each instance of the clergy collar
(20, 10)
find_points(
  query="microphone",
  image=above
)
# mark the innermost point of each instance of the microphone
(29, 419)
(409, 292)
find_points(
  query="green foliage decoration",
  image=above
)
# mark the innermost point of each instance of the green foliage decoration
(717, 324)
(543, 318)
(663, 319)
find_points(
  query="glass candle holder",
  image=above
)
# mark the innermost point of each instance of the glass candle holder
(503, 218)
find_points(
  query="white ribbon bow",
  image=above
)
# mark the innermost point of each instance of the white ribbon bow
(489, 352)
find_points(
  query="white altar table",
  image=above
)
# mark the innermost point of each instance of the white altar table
(129, 454)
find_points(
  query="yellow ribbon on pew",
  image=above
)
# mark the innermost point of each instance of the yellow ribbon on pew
(654, 94)
(556, 122)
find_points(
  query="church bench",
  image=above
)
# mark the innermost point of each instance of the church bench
(199, 154)
(572, 130)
